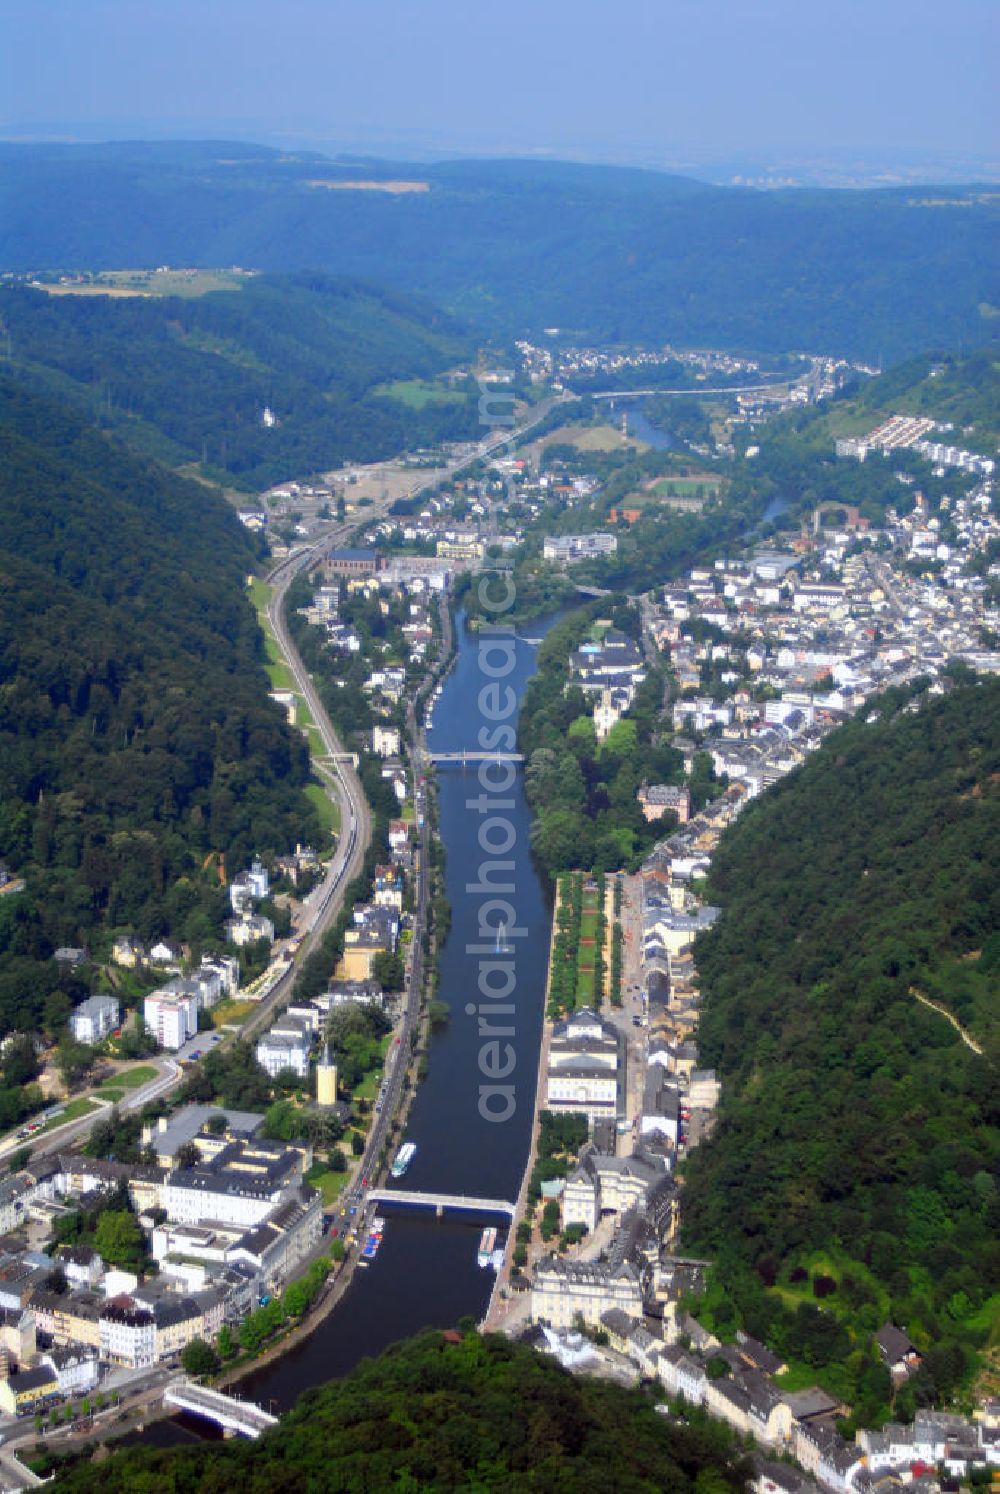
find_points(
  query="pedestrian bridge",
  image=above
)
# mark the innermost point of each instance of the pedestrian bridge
(232, 1415)
(439, 1202)
(476, 757)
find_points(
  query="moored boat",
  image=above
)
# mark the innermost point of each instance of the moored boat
(404, 1157)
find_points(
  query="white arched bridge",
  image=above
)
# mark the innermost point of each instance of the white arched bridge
(234, 1416)
(439, 1202)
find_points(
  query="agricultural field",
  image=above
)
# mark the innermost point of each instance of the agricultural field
(417, 393)
(123, 283)
(600, 438)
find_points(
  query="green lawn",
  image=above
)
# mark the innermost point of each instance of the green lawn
(796, 1377)
(328, 809)
(369, 1086)
(329, 1183)
(416, 393)
(277, 670)
(260, 594)
(74, 1110)
(280, 675)
(687, 487)
(129, 1078)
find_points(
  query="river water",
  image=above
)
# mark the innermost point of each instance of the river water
(642, 428)
(426, 1272)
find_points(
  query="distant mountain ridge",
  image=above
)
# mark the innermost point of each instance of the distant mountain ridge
(610, 253)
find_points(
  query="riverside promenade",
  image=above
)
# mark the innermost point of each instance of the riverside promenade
(507, 1309)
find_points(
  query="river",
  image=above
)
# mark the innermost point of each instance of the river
(641, 428)
(426, 1274)
(426, 1271)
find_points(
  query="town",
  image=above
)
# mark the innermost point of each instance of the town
(765, 652)
(173, 1239)
(222, 1209)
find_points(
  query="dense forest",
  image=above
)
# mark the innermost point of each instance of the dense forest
(187, 379)
(443, 1412)
(136, 733)
(603, 253)
(858, 1139)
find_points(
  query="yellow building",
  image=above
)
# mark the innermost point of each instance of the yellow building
(359, 956)
(28, 1390)
(326, 1080)
(467, 549)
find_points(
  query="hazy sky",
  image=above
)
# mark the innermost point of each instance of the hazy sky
(654, 77)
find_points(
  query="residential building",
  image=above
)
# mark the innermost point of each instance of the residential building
(71, 1318)
(128, 951)
(171, 1017)
(251, 928)
(659, 798)
(283, 1050)
(564, 1290)
(81, 1266)
(76, 1368)
(29, 1390)
(385, 741)
(609, 1185)
(128, 1333)
(94, 1018)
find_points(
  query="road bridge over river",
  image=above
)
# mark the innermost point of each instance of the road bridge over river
(476, 757)
(226, 1411)
(439, 1202)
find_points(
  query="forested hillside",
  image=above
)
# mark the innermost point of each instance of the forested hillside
(518, 246)
(136, 735)
(858, 1136)
(961, 390)
(475, 1413)
(187, 379)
